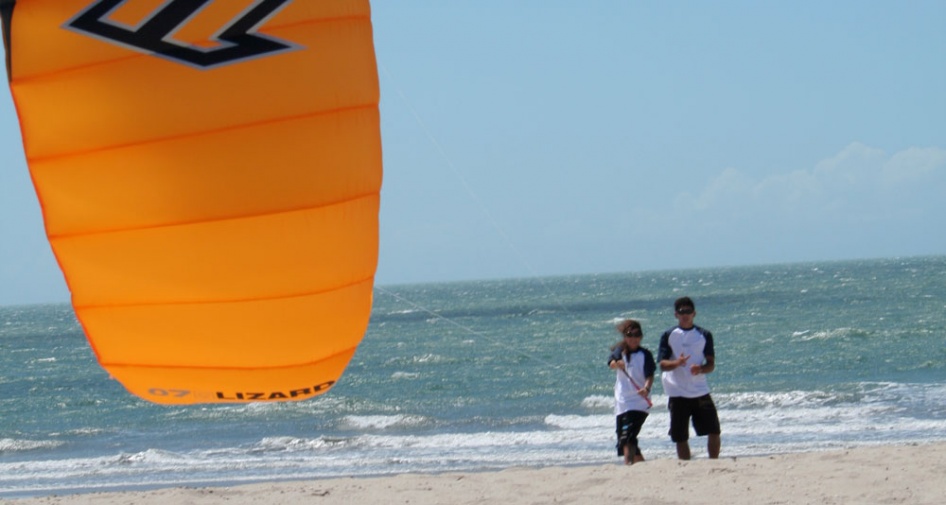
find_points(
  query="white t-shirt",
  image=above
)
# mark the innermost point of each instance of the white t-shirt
(625, 393)
(694, 342)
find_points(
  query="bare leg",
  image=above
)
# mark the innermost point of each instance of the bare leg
(683, 450)
(713, 443)
(631, 456)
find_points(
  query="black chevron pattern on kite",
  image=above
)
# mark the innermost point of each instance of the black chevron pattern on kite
(154, 35)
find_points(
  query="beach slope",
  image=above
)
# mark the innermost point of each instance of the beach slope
(884, 474)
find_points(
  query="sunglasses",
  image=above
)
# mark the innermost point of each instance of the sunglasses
(633, 333)
(685, 311)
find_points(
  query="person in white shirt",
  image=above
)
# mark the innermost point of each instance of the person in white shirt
(686, 355)
(634, 368)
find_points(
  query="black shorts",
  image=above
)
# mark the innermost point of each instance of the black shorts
(629, 425)
(703, 412)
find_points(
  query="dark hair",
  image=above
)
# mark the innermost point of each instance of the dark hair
(628, 324)
(681, 302)
(622, 327)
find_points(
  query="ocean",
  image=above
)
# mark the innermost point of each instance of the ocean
(471, 376)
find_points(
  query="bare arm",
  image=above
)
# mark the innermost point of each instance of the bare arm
(670, 364)
(706, 367)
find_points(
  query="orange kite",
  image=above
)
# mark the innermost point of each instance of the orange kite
(209, 174)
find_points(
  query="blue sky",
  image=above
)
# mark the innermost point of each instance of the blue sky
(547, 137)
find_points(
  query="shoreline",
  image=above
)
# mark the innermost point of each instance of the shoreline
(884, 473)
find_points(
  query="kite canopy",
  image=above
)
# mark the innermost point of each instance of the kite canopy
(209, 174)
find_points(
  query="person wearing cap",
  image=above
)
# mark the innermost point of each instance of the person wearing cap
(634, 367)
(686, 355)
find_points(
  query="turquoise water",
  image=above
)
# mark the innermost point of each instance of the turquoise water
(491, 374)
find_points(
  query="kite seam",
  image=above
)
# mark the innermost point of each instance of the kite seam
(191, 367)
(339, 287)
(333, 203)
(242, 126)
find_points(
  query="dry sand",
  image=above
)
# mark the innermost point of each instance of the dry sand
(914, 474)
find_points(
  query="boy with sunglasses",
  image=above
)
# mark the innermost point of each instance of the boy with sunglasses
(686, 355)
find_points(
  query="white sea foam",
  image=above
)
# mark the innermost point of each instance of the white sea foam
(579, 423)
(383, 422)
(404, 375)
(428, 358)
(9, 445)
(758, 400)
(598, 402)
(295, 444)
(404, 312)
(837, 333)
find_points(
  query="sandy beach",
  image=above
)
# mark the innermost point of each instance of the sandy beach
(884, 474)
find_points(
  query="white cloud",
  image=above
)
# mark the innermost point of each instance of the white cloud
(721, 190)
(791, 192)
(851, 167)
(859, 179)
(913, 165)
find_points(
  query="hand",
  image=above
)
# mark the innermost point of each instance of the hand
(696, 369)
(682, 360)
(643, 392)
(617, 365)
